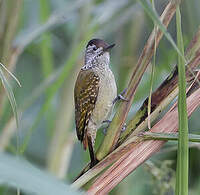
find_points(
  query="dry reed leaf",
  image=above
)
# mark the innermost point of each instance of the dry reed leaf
(143, 150)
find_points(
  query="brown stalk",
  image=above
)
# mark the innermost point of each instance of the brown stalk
(115, 127)
(143, 150)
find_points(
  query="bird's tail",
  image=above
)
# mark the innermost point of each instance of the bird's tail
(85, 142)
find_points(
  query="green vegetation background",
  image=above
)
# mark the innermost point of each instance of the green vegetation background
(54, 34)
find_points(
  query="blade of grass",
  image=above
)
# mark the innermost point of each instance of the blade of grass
(11, 74)
(154, 16)
(168, 137)
(152, 73)
(46, 55)
(11, 97)
(46, 44)
(17, 172)
(182, 155)
(9, 92)
(13, 103)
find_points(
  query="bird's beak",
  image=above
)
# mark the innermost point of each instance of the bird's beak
(108, 48)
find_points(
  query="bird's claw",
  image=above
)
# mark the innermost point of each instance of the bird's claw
(124, 127)
(121, 97)
(107, 121)
(105, 129)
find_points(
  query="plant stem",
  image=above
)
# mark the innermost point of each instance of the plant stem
(169, 136)
(46, 44)
(182, 158)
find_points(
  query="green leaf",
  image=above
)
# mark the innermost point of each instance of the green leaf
(46, 43)
(19, 173)
(154, 16)
(169, 136)
(9, 91)
(182, 154)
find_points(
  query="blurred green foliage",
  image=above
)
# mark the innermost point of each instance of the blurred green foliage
(43, 43)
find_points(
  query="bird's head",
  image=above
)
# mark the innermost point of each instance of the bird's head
(97, 52)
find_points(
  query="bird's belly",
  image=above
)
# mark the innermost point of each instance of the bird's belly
(104, 104)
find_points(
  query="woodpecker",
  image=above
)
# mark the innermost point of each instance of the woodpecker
(94, 93)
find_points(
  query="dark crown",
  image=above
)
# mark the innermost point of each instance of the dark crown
(98, 42)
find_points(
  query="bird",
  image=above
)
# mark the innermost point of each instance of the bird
(95, 93)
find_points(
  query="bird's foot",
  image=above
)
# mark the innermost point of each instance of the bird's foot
(121, 97)
(124, 128)
(108, 123)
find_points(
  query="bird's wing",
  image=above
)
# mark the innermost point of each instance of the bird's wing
(85, 96)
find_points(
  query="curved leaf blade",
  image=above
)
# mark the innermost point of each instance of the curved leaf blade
(19, 173)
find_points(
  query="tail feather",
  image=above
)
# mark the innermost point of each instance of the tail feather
(85, 142)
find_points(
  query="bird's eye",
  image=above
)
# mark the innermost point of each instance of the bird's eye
(94, 48)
